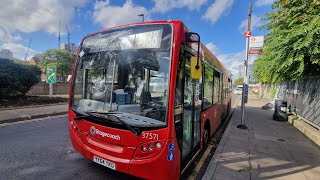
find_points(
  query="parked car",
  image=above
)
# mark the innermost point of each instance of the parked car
(238, 91)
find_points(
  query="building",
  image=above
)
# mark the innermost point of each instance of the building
(71, 47)
(35, 60)
(6, 54)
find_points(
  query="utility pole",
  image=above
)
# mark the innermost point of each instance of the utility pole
(25, 58)
(142, 17)
(245, 78)
(59, 37)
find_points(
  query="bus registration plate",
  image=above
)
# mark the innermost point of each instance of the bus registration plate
(104, 162)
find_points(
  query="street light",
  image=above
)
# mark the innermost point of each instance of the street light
(142, 17)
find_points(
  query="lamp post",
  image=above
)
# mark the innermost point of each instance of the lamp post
(142, 17)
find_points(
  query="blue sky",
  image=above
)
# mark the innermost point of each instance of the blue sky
(220, 23)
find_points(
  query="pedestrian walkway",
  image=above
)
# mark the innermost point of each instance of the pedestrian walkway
(268, 149)
(12, 115)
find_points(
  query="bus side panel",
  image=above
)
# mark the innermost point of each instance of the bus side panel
(214, 115)
(226, 107)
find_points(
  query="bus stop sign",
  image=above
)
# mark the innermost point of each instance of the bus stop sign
(51, 74)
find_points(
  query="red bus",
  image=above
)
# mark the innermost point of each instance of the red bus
(145, 98)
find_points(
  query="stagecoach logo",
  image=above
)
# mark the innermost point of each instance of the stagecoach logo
(95, 131)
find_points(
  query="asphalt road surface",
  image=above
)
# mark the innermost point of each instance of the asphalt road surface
(42, 150)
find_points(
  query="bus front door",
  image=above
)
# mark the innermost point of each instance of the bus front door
(191, 115)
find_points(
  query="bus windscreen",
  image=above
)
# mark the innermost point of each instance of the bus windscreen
(125, 71)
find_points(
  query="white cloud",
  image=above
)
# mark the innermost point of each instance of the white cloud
(163, 6)
(232, 61)
(37, 15)
(213, 48)
(18, 50)
(5, 35)
(255, 23)
(217, 9)
(108, 16)
(264, 2)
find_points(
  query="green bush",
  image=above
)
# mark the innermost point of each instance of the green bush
(17, 79)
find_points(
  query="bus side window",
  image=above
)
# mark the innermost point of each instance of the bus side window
(216, 89)
(207, 86)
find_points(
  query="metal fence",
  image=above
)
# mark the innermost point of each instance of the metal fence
(303, 97)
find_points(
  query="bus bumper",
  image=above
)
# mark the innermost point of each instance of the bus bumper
(157, 167)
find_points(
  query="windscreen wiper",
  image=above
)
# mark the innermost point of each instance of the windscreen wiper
(135, 131)
(79, 115)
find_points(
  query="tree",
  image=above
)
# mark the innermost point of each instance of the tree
(292, 46)
(61, 58)
(238, 81)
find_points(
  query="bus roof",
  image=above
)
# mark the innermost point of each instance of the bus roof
(207, 53)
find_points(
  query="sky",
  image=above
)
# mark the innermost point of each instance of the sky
(220, 23)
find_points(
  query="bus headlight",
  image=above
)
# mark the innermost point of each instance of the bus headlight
(158, 145)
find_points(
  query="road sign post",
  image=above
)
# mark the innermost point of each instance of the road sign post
(247, 34)
(51, 77)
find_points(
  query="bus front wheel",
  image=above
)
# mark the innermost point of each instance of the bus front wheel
(206, 135)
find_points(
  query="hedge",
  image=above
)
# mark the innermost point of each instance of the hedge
(17, 79)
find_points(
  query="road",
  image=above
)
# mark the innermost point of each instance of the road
(42, 150)
(235, 99)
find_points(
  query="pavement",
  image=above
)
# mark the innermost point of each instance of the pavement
(20, 114)
(268, 149)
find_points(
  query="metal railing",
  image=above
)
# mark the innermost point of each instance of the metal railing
(303, 97)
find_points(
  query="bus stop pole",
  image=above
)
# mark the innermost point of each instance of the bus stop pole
(245, 79)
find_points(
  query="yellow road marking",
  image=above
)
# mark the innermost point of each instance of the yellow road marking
(208, 150)
(200, 163)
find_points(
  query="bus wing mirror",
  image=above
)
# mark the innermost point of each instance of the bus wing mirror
(195, 68)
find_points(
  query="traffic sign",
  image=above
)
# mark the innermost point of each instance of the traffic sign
(51, 74)
(247, 33)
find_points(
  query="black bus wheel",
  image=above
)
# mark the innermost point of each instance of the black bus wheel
(206, 135)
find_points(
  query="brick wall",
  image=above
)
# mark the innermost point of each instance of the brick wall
(43, 89)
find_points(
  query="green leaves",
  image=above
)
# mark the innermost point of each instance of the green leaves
(238, 81)
(63, 60)
(292, 47)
